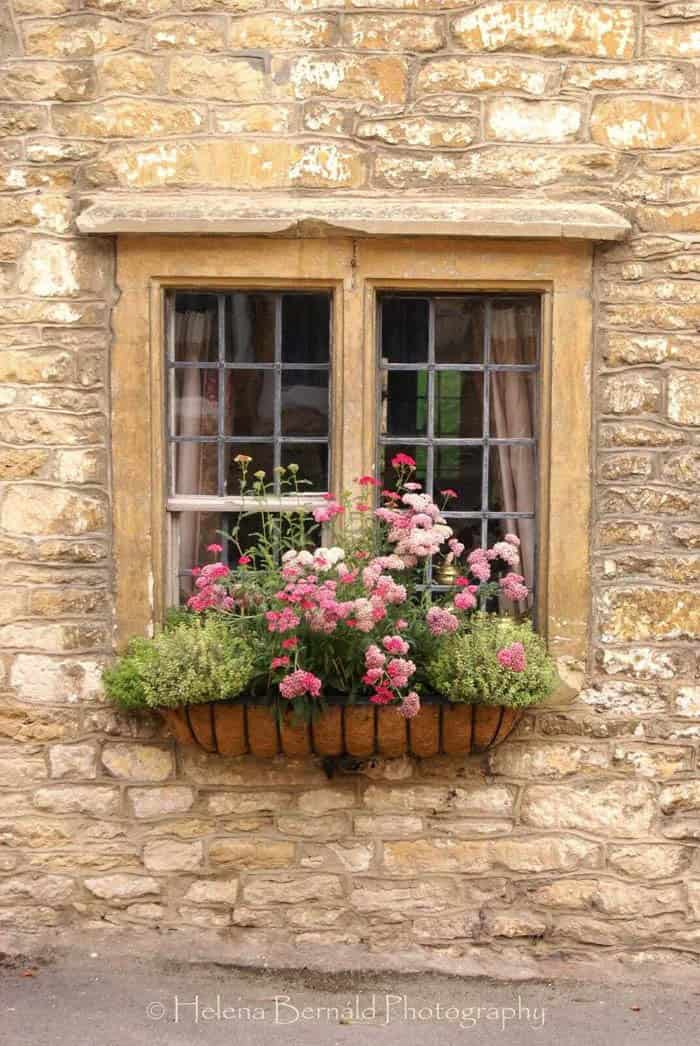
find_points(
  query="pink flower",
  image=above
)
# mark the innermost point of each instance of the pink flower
(401, 623)
(383, 695)
(513, 539)
(507, 552)
(196, 571)
(455, 546)
(402, 459)
(395, 645)
(290, 644)
(372, 676)
(215, 548)
(512, 657)
(298, 683)
(448, 493)
(243, 561)
(465, 600)
(399, 670)
(279, 662)
(391, 495)
(362, 507)
(513, 588)
(481, 569)
(325, 513)
(441, 622)
(413, 486)
(368, 481)
(374, 658)
(410, 706)
(281, 620)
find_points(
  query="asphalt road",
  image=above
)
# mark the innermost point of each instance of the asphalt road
(97, 1000)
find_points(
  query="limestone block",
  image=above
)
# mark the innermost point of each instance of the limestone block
(95, 800)
(619, 807)
(262, 891)
(160, 802)
(138, 762)
(167, 855)
(73, 761)
(383, 32)
(481, 73)
(122, 887)
(242, 853)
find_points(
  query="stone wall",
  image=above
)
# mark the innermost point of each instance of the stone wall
(581, 833)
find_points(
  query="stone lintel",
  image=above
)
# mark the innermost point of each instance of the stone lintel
(235, 214)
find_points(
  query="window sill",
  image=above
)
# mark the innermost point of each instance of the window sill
(310, 216)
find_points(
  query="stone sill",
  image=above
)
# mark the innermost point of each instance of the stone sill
(234, 214)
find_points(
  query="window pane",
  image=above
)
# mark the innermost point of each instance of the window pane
(196, 328)
(250, 328)
(419, 455)
(263, 460)
(459, 331)
(249, 403)
(514, 327)
(312, 459)
(196, 468)
(468, 531)
(405, 330)
(196, 402)
(460, 469)
(459, 404)
(512, 404)
(305, 403)
(306, 328)
(406, 403)
(193, 532)
(512, 478)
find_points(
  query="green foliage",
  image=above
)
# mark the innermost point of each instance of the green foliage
(196, 660)
(466, 667)
(123, 680)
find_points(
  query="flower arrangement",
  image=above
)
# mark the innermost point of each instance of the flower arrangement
(294, 620)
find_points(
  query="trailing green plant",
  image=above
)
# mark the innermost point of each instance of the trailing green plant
(197, 660)
(494, 660)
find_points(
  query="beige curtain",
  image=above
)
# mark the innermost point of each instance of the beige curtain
(513, 414)
(195, 463)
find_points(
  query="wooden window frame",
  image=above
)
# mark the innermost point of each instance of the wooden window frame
(355, 271)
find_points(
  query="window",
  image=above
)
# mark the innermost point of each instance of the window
(475, 354)
(248, 373)
(458, 391)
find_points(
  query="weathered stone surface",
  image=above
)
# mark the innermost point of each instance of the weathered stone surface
(407, 898)
(253, 119)
(492, 800)
(687, 701)
(220, 77)
(166, 855)
(645, 123)
(609, 897)
(231, 164)
(241, 853)
(405, 33)
(631, 394)
(74, 761)
(672, 41)
(122, 887)
(322, 802)
(619, 807)
(532, 854)
(78, 37)
(189, 34)
(96, 800)
(598, 30)
(650, 860)
(329, 826)
(382, 80)
(517, 120)
(129, 118)
(684, 397)
(501, 165)
(421, 132)
(138, 762)
(285, 889)
(47, 81)
(46, 889)
(387, 825)
(279, 32)
(639, 662)
(475, 74)
(655, 761)
(213, 891)
(631, 615)
(632, 76)
(513, 923)
(127, 72)
(533, 760)
(160, 802)
(680, 798)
